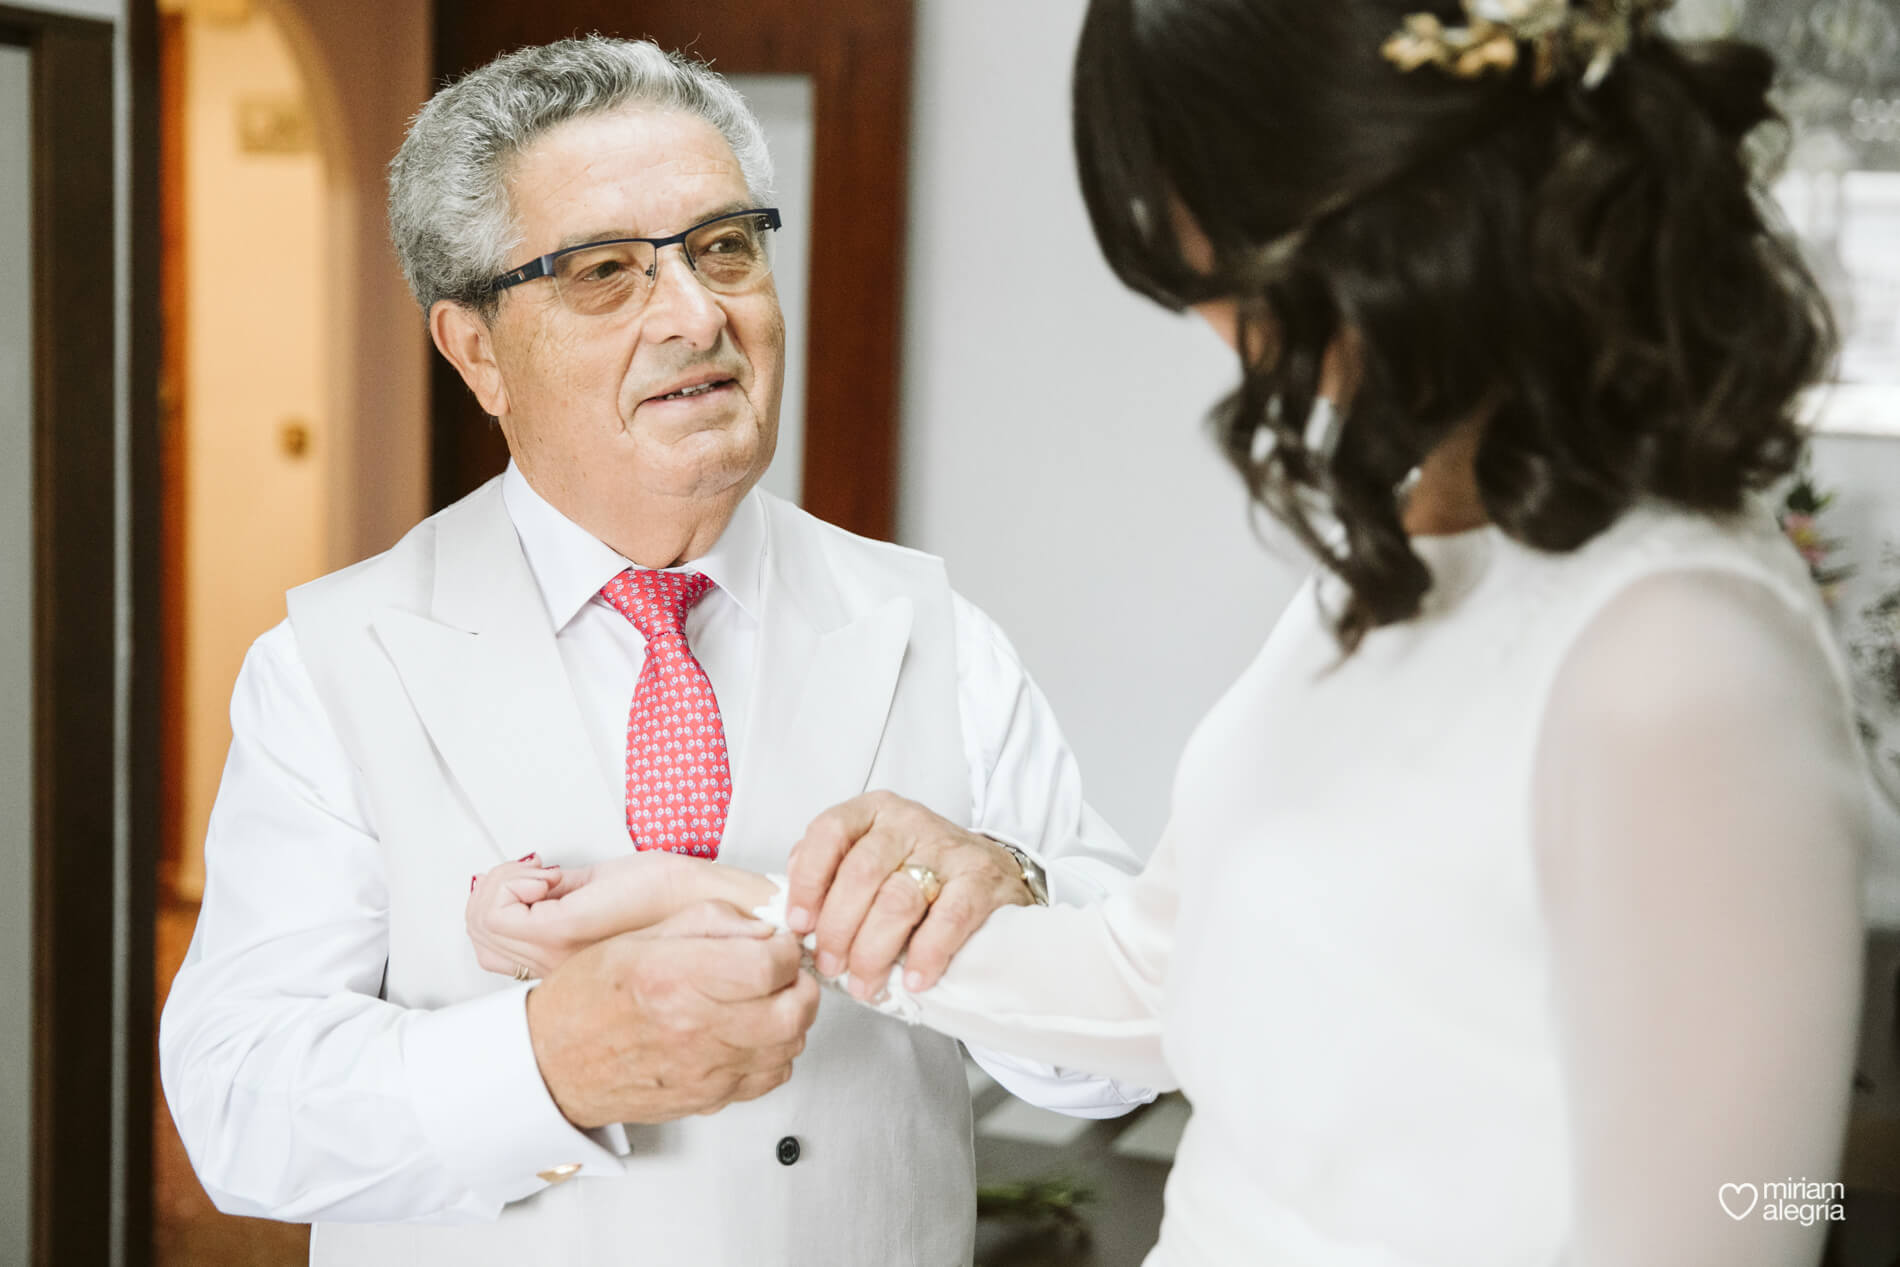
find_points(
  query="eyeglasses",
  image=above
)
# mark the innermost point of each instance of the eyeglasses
(729, 254)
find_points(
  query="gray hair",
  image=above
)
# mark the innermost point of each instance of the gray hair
(449, 216)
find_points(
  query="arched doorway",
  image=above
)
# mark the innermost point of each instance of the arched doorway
(253, 168)
(247, 375)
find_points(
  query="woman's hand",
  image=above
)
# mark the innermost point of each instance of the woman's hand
(525, 919)
(508, 938)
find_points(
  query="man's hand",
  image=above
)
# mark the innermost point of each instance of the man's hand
(701, 1010)
(848, 882)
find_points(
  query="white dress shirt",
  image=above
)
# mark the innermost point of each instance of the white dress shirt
(301, 1095)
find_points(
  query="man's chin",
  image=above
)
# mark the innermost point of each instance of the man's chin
(718, 471)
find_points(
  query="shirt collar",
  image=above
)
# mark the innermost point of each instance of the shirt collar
(570, 564)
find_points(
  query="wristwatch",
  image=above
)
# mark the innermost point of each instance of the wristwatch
(1033, 878)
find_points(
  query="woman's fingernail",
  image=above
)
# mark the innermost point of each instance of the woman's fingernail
(913, 981)
(526, 857)
(799, 918)
(828, 963)
(472, 881)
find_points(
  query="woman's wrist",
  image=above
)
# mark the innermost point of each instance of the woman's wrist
(747, 890)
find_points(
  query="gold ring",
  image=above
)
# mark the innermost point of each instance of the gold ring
(926, 880)
(522, 973)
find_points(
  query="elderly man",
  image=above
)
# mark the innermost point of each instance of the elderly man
(619, 643)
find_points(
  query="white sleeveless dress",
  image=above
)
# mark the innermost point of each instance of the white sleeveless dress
(1507, 941)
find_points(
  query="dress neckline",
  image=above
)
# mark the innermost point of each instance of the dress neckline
(1457, 562)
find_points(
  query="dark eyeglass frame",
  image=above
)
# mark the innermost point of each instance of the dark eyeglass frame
(543, 266)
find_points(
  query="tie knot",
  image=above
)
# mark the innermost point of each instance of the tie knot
(656, 602)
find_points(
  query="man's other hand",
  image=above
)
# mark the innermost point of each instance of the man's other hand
(697, 1012)
(848, 882)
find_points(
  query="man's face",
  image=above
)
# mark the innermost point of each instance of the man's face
(589, 411)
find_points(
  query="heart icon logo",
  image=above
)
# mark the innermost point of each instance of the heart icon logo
(1736, 1191)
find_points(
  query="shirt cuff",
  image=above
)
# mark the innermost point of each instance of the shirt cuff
(1071, 881)
(1045, 1086)
(1062, 1091)
(483, 1107)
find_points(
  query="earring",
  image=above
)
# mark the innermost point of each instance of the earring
(1322, 429)
(1262, 446)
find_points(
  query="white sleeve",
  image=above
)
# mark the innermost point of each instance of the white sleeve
(1700, 820)
(1027, 789)
(298, 1093)
(1078, 987)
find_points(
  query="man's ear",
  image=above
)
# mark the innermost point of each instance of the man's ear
(465, 339)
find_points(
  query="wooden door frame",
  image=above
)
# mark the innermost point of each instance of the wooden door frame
(166, 226)
(152, 536)
(91, 1027)
(858, 54)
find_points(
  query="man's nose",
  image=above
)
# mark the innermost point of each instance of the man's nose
(680, 307)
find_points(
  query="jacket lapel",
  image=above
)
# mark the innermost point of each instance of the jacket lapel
(484, 675)
(822, 691)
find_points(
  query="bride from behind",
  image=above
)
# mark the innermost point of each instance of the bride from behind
(1508, 907)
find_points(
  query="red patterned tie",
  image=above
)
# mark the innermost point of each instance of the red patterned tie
(678, 782)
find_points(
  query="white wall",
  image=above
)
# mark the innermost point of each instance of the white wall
(784, 106)
(16, 652)
(1053, 447)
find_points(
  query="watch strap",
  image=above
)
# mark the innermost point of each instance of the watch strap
(1035, 879)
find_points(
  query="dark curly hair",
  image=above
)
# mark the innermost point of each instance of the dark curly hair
(1593, 270)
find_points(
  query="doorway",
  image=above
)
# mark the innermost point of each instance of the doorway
(244, 416)
(243, 384)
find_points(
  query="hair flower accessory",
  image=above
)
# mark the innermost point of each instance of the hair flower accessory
(1591, 33)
